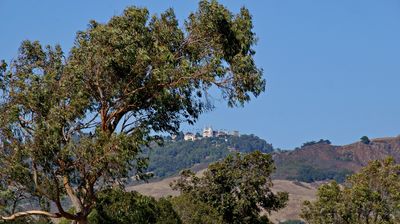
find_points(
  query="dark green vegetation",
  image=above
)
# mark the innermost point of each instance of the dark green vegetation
(306, 173)
(321, 141)
(175, 156)
(237, 188)
(74, 125)
(193, 211)
(368, 197)
(364, 139)
(117, 206)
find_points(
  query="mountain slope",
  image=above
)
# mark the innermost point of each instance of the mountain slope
(321, 161)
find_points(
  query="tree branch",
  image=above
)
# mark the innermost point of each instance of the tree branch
(57, 201)
(70, 191)
(32, 212)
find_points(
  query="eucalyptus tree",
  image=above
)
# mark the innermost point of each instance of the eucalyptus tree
(236, 190)
(369, 196)
(73, 125)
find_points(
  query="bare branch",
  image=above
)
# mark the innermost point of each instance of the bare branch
(70, 191)
(32, 212)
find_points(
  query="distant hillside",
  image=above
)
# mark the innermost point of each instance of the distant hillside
(313, 161)
(322, 161)
(173, 156)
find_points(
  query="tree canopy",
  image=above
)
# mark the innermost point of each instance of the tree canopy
(118, 206)
(238, 188)
(364, 139)
(75, 124)
(370, 196)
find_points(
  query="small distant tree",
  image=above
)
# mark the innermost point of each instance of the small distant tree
(323, 141)
(364, 139)
(308, 144)
(370, 196)
(238, 188)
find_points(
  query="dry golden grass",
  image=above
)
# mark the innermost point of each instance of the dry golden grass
(156, 189)
(298, 192)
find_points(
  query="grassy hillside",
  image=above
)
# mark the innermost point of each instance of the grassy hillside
(322, 161)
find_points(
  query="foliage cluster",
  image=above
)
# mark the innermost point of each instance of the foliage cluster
(193, 211)
(369, 197)
(321, 141)
(238, 188)
(364, 139)
(311, 174)
(117, 206)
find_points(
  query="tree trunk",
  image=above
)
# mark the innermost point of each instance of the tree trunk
(83, 220)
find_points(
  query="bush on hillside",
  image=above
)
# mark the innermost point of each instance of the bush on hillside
(365, 140)
(321, 141)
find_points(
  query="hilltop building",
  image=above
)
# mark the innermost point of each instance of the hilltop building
(208, 132)
(235, 133)
(221, 134)
(189, 136)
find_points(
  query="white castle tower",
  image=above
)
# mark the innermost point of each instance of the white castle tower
(208, 132)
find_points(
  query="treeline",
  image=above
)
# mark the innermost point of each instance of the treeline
(310, 143)
(310, 174)
(173, 156)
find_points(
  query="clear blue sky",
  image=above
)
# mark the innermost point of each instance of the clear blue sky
(332, 67)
